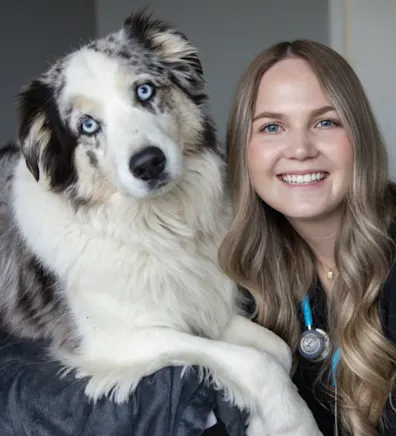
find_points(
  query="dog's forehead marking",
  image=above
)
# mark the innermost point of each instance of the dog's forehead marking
(94, 69)
(92, 78)
(87, 105)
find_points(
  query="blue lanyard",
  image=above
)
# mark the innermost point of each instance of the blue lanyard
(306, 308)
(308, 320)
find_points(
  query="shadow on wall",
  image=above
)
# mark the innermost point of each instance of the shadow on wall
(32, 35)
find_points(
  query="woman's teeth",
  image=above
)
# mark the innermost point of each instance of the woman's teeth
(303, 179)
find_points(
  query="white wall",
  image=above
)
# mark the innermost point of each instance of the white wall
(364, 31)
(228, 33)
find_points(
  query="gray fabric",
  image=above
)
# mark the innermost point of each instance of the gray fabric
(36, 402)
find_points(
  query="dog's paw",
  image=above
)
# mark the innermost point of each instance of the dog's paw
(255, 426)
(114, 382)
(285, 413)
(278, 409)
(114, 385)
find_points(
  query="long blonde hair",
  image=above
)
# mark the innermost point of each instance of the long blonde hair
(265, 255)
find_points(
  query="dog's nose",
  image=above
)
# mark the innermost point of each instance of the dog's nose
(147, 164)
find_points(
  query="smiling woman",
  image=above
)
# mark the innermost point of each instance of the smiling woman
(313, 238)
(299, 154)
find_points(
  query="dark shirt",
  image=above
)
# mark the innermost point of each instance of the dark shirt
(216, 430)
(308, 371)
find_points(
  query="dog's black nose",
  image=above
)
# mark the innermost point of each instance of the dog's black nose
(148, 164)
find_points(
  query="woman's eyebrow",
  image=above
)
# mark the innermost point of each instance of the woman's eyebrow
(278, 115)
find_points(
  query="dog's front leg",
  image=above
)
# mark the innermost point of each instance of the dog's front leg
(115, 364)
(284, 401)
(250, 379)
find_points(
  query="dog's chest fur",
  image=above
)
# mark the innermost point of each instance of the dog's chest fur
(119, 268)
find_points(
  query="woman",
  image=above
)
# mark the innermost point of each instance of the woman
(313, 218)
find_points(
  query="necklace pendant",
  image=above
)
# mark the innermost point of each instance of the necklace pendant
(330, 274)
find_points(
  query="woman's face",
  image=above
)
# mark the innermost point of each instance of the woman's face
(299, 155)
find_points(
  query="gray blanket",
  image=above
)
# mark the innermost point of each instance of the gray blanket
(35, 401)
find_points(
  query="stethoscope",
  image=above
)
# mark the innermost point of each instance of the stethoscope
(314, 343)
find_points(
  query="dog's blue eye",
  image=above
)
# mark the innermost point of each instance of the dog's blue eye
(89, 126)
(145, 92)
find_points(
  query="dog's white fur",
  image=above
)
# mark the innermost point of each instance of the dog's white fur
(138, 270)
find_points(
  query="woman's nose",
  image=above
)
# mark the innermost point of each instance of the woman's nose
(300, 146)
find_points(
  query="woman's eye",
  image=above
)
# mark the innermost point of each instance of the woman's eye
(327, 123)
(271, 128)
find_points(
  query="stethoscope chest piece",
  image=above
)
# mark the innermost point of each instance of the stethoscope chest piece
(314, 344)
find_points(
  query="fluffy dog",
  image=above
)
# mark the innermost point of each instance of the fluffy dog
(112, 216)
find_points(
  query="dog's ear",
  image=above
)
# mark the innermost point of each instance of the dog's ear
(46, 143)
(172, 47)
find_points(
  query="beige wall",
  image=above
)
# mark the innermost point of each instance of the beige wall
(365, 32)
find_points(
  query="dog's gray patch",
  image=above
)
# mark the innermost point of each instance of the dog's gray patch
(93, 160)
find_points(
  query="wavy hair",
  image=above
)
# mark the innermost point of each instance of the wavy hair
(266, 256)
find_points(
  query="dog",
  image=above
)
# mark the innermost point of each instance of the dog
(114, 203)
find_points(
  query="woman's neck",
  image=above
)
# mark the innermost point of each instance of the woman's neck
(321, 235)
